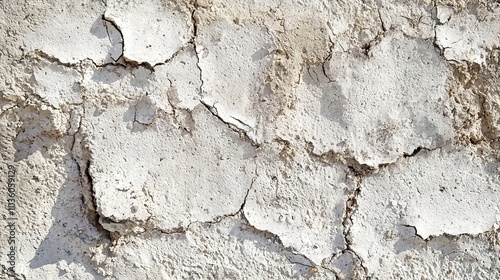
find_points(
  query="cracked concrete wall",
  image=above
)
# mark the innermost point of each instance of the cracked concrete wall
(216, 139)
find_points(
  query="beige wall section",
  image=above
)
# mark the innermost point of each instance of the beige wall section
(218, 139)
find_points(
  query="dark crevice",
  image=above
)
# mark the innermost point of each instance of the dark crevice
(323, 68)
(415, 229)
(193, 42)
(174, 55)
(76, 66)
(384, 28)
(8, 109)
(92, 212)
(434, 24)
(55, 60)
(121, 61)
(351, 206)
(367, 47)
(415, 152)
(240, 121)
(92, 205)
(109, 37)
(243, 134)
(81, 156)
(241, 209)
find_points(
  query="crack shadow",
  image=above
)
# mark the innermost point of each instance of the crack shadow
(71, 235)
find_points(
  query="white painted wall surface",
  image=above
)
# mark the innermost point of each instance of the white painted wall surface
(214, 139)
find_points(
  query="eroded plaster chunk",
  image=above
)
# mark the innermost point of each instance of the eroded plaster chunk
(374, 108)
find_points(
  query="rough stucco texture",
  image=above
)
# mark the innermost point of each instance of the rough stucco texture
(213, 139)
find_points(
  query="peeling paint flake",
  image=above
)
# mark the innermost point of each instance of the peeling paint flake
(151, 33)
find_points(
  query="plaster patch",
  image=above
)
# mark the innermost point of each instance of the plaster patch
(75, 35)
(302, 202)
(374, 108)
(448, 191)
(158, 175)
(234, 89)
(412, 18)
(469, 36)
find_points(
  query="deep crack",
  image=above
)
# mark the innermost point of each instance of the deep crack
(351, 206)
(193, 41)
(81, 156)
(242, 133)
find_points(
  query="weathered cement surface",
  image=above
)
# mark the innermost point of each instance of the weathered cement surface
(217, 139)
